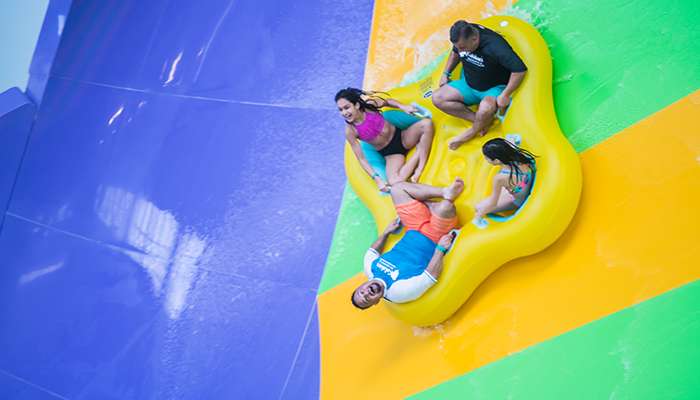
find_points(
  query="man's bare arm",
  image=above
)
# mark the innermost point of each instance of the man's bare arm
(434, 267)
(378, 244)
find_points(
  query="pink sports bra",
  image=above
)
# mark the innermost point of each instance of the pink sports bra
(371, 127)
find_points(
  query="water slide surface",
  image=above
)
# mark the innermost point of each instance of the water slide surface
(178, 223)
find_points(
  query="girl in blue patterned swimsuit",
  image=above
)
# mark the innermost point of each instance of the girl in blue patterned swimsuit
(513, 183)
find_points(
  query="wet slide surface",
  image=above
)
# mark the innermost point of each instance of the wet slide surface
(171, 219)
(183, 187)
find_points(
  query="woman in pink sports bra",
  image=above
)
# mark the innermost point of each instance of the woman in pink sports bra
(361, 111)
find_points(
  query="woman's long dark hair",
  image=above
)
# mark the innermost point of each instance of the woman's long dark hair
(509, 154)
(354, 96)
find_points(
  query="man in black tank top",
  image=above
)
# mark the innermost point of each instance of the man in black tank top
(491, 72)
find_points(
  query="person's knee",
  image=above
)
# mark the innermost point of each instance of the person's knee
(426, 126)
(487, 106)
(445, 209)
(398, 185)
(399, 195)
(439, 98)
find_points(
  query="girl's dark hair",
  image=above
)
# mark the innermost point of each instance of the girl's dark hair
(354, 96)
(509, 154)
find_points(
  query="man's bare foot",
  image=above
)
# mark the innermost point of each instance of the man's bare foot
(454, 190)
(493, 122)
(460, 139)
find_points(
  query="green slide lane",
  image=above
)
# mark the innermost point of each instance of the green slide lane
(615, 63)
(648, 351)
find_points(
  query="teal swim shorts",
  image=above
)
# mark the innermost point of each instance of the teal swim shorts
(473, 96)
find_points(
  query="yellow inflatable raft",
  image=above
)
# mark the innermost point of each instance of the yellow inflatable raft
(542, 219)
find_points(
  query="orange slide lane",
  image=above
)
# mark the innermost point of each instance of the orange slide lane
(633, 237)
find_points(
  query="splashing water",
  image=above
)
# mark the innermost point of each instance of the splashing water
(430, 53)
(536, 16)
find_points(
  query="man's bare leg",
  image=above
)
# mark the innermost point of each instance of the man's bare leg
(482, 122)
(449, 100)
(404, 192)
(443, 209)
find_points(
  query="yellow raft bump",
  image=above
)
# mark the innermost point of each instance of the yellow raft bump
(554, 198)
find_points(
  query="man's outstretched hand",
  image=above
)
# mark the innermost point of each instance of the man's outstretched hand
(446, 240)
(393, 226)
(503, 101)
(444, 80)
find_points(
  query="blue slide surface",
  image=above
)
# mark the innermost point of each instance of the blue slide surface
(173, 211)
